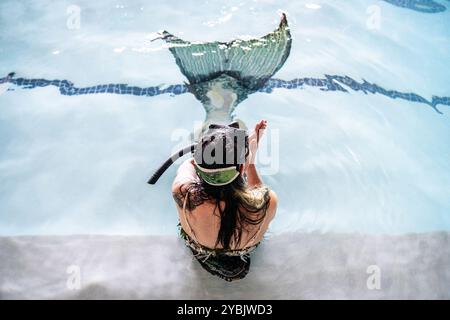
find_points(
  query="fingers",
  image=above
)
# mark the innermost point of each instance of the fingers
(260, 127)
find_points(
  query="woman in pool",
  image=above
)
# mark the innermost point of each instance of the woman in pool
(223, 205)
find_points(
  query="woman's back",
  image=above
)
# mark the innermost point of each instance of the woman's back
(201, 220)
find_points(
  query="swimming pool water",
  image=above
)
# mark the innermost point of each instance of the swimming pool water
(359, 113)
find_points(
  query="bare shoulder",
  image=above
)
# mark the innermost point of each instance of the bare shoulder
(273, 203)
(273, 197)
(190, 193)
(178, 194)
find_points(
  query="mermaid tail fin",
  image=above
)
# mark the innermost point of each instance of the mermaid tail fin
(252, 62)
(221, 75)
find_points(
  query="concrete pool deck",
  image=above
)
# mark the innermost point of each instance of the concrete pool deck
(287, 266)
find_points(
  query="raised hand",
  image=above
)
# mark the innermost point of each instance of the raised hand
(253, 140)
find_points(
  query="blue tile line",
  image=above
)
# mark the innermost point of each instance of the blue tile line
(335, 82)
(329, 83)
(425, 6)
(67, 88)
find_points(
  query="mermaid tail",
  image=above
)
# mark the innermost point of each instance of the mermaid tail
(221, 75)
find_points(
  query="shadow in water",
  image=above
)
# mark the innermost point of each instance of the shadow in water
(328, 83)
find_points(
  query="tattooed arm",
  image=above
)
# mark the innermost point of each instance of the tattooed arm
(186, 177)
(186, 174)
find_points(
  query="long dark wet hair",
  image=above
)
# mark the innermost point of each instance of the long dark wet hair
(241, 201)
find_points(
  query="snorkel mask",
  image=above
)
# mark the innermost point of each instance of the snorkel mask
(217, 177)
(206, 157)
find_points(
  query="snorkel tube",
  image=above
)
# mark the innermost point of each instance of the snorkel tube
(191, 149)
(158, 173)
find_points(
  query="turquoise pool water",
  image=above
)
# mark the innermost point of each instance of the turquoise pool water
(358, 115)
